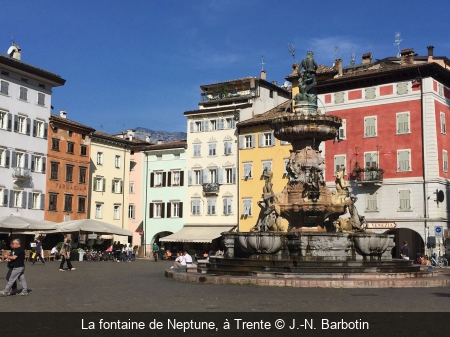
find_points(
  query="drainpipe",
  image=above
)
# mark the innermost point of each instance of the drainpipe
(123, 185)
(145, 206)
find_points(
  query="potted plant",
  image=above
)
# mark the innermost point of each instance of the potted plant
(357, 168)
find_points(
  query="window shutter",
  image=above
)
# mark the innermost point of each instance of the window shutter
(104, 185)
(191, 127)
(34, 128)
(260, 140)
(241, 142)
(11, 198)
(26, 160)
(28, 126)
(202, 125)
(220, 124)
(253, 141)
(44, 161)
(169, 179)
(30, 200)
(24, 199)
(206, 125)
(169, 210)
(42, 201)
(180, 211)
(7, 160)
(13, 159)
(189, 177)
(164, 179)
(45, 130)
(225, 206)
(32, 163)
(151, 210)
(205, 176)
(121, 187)
(16, 123)
(5, 197)
(220, 175)
(234, 175)
(8, 126)
(163, 210)
(181, 178)
(201, 177)
(272, 140)
(152, 179)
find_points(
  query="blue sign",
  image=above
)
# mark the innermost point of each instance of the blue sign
(438, 231)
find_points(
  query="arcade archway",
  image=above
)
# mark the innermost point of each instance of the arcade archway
(415, 242)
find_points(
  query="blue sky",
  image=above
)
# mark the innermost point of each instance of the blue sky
(140, 63)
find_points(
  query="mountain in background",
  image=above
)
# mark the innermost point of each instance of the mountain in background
(165, 136)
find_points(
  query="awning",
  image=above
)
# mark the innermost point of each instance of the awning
(202, 234)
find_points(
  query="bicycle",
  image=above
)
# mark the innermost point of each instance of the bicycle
(440, 261)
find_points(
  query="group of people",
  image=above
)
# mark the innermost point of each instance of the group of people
(183, 259)
(119, 252)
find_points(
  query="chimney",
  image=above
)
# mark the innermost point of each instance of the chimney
(430, 53)
(263, 75)
(147, 139)
(130, 138)
(63, 113)
(160, 141)
(14, 52)
(367, 58)
(338, 66)
(407, 56)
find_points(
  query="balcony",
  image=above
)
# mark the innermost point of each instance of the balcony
(211, 188)
(369, 176)
(21, 174)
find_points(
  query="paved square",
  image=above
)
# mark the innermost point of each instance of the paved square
(142, 286)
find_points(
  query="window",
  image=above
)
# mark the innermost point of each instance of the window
(131, 187)
(445, 160)
(227, 206)
(82, 176)
(98, 211)
(370, 93)
(403, 123)
(99, 184)
(402, 88)
(228, 148)
(271, 93)
(2, 159)
(41, 99)
(266, 139)
(197, 177)
(55, 144)
(99, 158)
(404, 197)
(54, 170)
(3, 120)
(246, 142)
(175, 178)
(199, 126)
(37, 163)
(157, 210)
(230, 123)
(175, 210)
(4, 88)
(21, 124)
(69, 173)
(370, 127)
(443, 127)
(23, 94)
(230, 176)
(371, 201)
(158, 179)
(116, 215)
(36, 201)
(39, 129)
(212, 176)
(266, 164)
(195, 207)
(70, 147)
(197, 150)
(20, 160)
(83, 150)
(117, 186)
(404, 160)
(67, 203)
(371, 160)
(117, 161)
(212, 149)
(339, 97)
(81, 204)
(342, 132)
(18, 199)
(53, 200)
(248, 171)
(247, 209)
(339, 161)
(213, 125)
(131, 211)
(211, 207)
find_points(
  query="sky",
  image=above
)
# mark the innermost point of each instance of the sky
(140, 63)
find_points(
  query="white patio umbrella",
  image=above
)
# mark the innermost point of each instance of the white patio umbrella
(18, 224)
(90, 226)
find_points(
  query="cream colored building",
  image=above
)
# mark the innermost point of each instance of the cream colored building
(109, 181)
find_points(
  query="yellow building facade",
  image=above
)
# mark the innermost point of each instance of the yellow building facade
(258, 148)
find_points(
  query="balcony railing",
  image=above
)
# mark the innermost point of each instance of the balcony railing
(211, 188)
(20, 173)
(368, 176)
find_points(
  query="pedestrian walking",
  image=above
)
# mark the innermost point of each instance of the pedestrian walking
(118, 251)
(39, 252)
(65, 255)
(155, 251)
(10, 269)
(16, 262)
(130, 252)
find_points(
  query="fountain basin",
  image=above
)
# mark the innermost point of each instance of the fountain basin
(260, 242)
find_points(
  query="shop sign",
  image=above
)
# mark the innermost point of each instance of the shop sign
(385, 225)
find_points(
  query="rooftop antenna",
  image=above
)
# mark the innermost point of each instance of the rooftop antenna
(353, 56)
(291, 49)
(336, 52)
(262, 63)
(101, 127)
(397, 43)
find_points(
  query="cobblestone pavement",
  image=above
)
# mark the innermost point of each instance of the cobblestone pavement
(142, 286)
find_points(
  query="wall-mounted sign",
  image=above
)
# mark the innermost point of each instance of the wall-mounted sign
(92, 236)
(386, 225)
